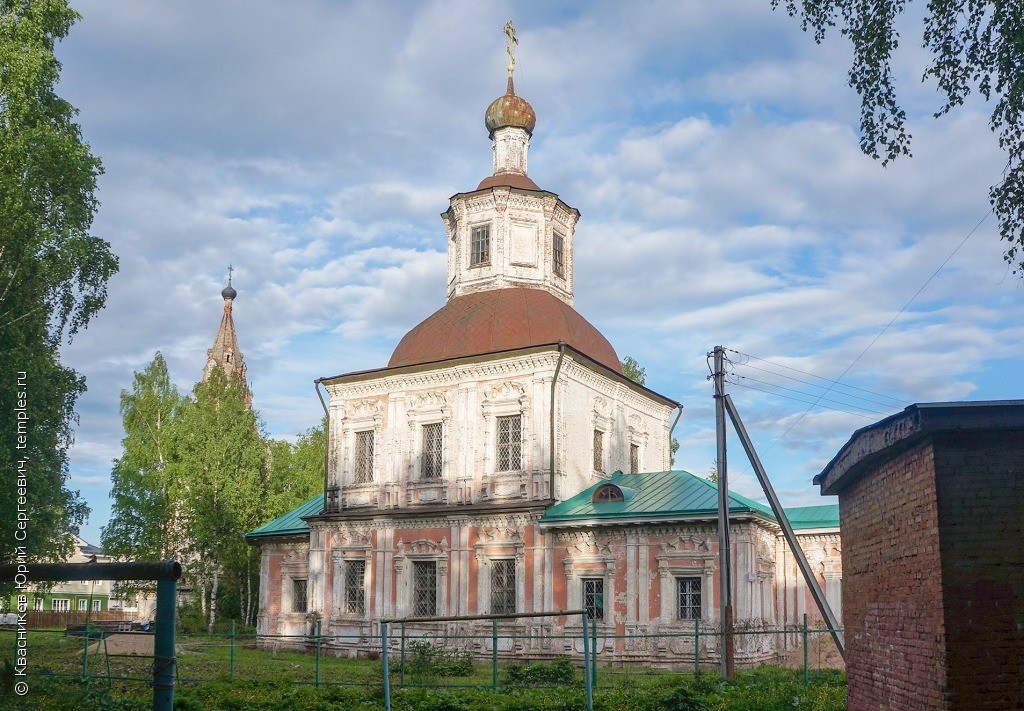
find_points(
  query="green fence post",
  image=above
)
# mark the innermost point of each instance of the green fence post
(586, 665)
(806, 675)
(494, 652)
(232, 650)
(593, 653)
(85, 653)
(316, 677)
(384, 664)
(403, 656)
(696, 645)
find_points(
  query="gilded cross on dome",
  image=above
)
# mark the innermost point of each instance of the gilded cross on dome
(510, 30)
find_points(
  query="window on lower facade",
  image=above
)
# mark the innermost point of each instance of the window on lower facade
(509, 444)
(364, 458)
(480, 245)
(431, 457)
(37, 604)
(424, 588)
(634, 458)
(503, 587)
(299, 588)
(598, 451)
(688, 598)
(61, 604)
(593, 597)
(558, 255)
(97, 605)
(83, 604)
(355, 577)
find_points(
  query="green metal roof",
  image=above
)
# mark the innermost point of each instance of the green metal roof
(291, 523)
(651, 495)
(804, 517)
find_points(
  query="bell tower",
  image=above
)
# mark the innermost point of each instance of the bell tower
(509, 232)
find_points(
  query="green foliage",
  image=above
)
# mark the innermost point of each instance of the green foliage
(633, 370)
(298, 469)
(142, 510)
(53, 273)
(560, 671)
(975, 45)
(426, 661)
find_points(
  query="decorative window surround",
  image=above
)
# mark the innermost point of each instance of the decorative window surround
(421, 550)
(685, 564)
(499, 543)
(505, 400)
(356, 548)
(589, 558)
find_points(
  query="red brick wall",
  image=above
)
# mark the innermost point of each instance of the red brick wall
(981, 494)
(892, 591)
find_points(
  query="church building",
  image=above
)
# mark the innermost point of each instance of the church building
(502, 463)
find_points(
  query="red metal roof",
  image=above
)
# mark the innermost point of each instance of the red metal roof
(501, 319)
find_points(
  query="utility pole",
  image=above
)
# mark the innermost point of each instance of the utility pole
(724, 543)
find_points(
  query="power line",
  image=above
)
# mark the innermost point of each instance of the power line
(805, 402)
(880, 334)
(812, 375)
(801, 392)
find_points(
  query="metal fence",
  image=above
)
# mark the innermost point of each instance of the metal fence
(395, 656)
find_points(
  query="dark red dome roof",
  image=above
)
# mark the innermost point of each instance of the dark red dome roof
(501, 319)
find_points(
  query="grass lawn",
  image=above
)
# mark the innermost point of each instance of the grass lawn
(284, 680)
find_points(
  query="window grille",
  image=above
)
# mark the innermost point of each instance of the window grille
(634, 458)
(503, 587)
(480, 245)
(431, 468)
(598, 451)
(299, 595)
(593, 597)
(509, 443)
(608, 492)
(558, 255)
(364, 457)
(424, 588)
(688, 595)
(355, 576)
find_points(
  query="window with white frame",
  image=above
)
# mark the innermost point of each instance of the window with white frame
(688, 598)
(430, 457)
(37, 604)
(503, 586)
(83, 604)
(598, 451)
(593, 597)
(509, 443)
(634, 458)
(97, 605)
(299, 588)
(480, 245)
(558, 254)
(363, 458)
(60, 604)
(355, 596)
(424, 588)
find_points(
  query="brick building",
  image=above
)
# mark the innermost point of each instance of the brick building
(930, 501)
(501, 462)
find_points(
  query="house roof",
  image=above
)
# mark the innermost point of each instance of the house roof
(291, 523)
(647, 496)
(651, 495)
(501, 319)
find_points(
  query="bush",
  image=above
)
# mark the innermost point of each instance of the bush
(558, 672)
(428, 660)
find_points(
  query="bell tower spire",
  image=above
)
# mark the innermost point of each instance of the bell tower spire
(225, 352)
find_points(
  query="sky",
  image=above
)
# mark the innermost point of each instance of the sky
(712, 149)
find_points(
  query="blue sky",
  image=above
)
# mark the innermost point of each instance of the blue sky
(712, 149)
